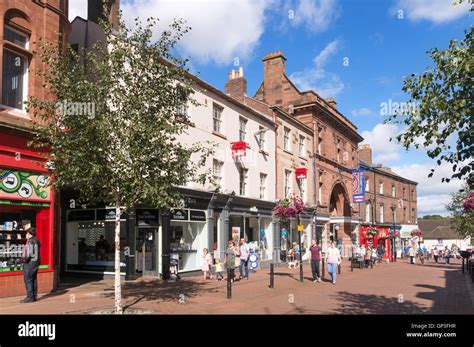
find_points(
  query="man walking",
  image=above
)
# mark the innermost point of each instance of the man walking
(333, 259)
(31, 263)
(244, 258)
(315, 256)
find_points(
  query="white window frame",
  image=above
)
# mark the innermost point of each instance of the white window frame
(381, 213)
(261, 138)
(394, 191)
(217, 111)
(368, 212)
(367, 184)
(287, 139)
(25, 81)
(263, 186)
(243, 176)
(287, 183)
(301, 146)
(303, 189)
(27, 44)
(217, 174)
(381, 188)
(243, 129)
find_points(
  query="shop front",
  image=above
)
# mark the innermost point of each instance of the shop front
(26, 201)
(382, 238)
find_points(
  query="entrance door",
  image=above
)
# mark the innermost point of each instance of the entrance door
(146, 252)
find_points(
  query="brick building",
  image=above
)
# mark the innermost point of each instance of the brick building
(25, 198)
(391, 200)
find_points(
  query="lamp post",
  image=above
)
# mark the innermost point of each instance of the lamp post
(394, 242)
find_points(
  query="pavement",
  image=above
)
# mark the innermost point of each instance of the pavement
(393, 288)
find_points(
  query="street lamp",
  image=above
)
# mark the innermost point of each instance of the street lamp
(394, 242)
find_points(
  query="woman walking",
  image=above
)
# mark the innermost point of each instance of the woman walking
(333, 259)
(206, 263)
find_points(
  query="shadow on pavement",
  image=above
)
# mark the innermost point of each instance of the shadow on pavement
(351, 303)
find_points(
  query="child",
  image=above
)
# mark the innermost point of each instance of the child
(219, 270)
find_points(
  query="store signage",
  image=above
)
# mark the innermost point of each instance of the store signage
(358, 186)
(24, 185)
(110, 215)
(197, 216)
(179, 215)
(301, 173)
(81, 215)
(238, 148)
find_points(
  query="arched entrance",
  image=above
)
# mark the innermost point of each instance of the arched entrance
(341, 213)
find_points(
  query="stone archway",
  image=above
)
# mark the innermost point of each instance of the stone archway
(341, 213)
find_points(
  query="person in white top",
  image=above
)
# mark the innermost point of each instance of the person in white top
(244, 258)
(333, 259)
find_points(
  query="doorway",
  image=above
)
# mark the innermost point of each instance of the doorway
(146, 263)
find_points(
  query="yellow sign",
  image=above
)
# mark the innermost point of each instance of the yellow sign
(300, 227)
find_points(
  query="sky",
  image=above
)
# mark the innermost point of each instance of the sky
(355, 51)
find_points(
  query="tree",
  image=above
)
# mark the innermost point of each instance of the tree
(113, 131)
(462, 211)
(440, 106)
(433, 217)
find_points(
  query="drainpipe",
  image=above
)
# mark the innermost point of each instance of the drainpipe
(315, 180)
(275, 121)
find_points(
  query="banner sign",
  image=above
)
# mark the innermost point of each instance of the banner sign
(358, 191)
(24, 185)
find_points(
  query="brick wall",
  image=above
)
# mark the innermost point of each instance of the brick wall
(15, 286)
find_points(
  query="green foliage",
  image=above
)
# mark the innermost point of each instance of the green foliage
(443, 99)
(462, 220)
(433, 217)
(129, 150)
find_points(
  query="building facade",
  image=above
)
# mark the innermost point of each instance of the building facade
(26, 200)
(390, 204)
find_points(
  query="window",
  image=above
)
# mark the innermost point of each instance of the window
(261, 138)
(301, 146)
(405, 214)
(217, 118)
(14, 79)
(404, 193)
(217, 171)
(16, 37)
(182, 111)
(320, 140)
(394, 191)
(287, 183)
(413, 195)
(338, 154)
(367, 212)
(243, 182)
(320, 192)
(381, 213)
(381, 188)
(303, 189)
(413, 214)
(286, 139)
(242, 129)
(263, 186)
(367, 184)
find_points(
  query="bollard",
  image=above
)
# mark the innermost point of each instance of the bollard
(352, 264)
(323, 268)
(462, 265)
(229, 285)
(272, 276)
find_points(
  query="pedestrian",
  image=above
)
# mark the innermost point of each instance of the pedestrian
(206, 263)
(447, 254)
(244, 259)
(436, 254)
(230, 257)
(31, 262)
(405, 251)
(367, 257)
(362, 253)
(374, 255)
(296, 251)
(380, 252)
(333, 259)
(411, 254)
(315, 256)
(219, 269)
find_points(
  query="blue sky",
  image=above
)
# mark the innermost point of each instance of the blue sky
(354, 51)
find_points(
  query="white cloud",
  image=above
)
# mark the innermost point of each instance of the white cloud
(325, 83)
(77, 8)
(364, 111)
(433, 194)
(383, 149)
(437, 11)
(315, 15)
(221, 30)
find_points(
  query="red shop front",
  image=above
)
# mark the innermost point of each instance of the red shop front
(383, 238)
(26, 200)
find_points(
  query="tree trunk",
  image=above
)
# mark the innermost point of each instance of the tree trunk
(118, 287)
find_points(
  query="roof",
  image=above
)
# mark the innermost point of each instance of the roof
(384, 171)
(438, 229)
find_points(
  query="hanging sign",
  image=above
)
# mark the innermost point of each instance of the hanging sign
(301, 173)
(358, 191)
(300, 227)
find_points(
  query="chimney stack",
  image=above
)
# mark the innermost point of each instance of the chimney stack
(236, 86)
(273, 74)
(365, 153)
(95, 11)
(332, 102)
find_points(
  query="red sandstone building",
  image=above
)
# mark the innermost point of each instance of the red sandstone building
(25, 198)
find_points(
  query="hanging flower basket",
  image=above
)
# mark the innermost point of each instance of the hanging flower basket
(417, 233)
(394, 234)
(469, 203)
(289, 207)
(371, 232)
